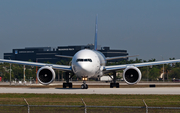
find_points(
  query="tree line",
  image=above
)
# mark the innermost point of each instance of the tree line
(150, 73)
(17, 71)
(153, 73)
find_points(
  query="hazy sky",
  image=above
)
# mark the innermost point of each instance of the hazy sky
(150, 28)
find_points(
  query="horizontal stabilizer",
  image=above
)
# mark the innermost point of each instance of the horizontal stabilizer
(119, 57)
(64, 56)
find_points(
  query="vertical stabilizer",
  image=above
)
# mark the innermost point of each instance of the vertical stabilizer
(96, 30)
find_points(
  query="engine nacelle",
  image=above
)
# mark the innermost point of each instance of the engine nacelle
(132, 75)
(46, 75)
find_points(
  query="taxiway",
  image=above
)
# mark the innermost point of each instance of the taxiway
(168, 90)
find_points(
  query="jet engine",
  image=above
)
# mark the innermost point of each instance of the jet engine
(132, 75)
(46, 75)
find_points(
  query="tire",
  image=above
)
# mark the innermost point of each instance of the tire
(117, 85)
(64, 86)
(70, 85)
(82, 86)
(111, 85)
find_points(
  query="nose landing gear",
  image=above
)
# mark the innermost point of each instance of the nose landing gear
(84, 85)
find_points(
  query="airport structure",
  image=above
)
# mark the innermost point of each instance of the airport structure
(47, 54)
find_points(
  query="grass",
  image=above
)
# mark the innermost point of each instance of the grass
(93, 99)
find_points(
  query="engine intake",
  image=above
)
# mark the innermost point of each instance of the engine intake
(46, 75)
(132, 75)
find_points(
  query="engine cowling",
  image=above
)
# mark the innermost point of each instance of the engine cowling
(132, 75)
(46, 75)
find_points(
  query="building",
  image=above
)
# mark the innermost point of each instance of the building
(47, 54)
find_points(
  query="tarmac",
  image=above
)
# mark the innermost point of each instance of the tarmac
(94, 88)
(160, 91)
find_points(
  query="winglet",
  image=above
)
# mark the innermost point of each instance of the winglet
(96, 30)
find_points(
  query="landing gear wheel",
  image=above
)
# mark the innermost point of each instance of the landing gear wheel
(84, 86)
(114, 85)
(67, 85)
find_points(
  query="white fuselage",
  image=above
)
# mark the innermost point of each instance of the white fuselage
(88, 63)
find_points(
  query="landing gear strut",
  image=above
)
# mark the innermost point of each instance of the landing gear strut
(67, 84)
(113, 83)
(84, 85)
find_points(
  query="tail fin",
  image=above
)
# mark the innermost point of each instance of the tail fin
(96, 30)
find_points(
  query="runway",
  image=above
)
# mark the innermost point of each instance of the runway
(165, 90)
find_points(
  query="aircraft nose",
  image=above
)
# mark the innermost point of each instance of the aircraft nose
(85, 67)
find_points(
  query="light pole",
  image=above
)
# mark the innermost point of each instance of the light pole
(163, 68)
(36, 70)
(24, 75)
(31, 80)
(147, 72)
(10, 74)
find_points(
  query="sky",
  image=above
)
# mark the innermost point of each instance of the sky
(149, 28)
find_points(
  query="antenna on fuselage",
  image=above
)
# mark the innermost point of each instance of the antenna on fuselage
(96, 30)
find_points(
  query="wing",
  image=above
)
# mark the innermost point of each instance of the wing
(119, 57)
(120, 67)
(64, 56)
(55, 66)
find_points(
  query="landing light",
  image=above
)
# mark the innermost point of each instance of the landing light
(84, 79)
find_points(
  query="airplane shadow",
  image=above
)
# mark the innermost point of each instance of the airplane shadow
(68, 88)
(55, 88)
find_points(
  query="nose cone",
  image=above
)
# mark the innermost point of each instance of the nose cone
(84, 70)
(85, 67)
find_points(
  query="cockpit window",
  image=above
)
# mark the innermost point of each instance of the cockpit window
(83, 60)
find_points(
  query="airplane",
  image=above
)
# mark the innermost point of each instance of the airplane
(88, 63)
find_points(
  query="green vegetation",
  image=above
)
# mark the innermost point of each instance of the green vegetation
(17, 71)
(148, 73)
(152, 73)
(93, 99)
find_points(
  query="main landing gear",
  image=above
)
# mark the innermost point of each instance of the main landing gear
(84, 85)
(67, 84)
(113, 83)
